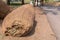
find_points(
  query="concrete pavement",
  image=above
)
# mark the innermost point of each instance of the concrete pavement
(53, 15)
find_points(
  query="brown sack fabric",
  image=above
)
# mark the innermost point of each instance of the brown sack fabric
(19, 22)
(41, 31)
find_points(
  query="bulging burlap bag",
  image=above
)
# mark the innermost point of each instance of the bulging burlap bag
(19, 22)
(41, 31)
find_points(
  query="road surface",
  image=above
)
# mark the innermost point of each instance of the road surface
(53, 16)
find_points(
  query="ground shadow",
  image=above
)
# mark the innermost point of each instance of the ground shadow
(58, 8)
(1, 22)
(32, 31)
(50, 11)
(49, 6)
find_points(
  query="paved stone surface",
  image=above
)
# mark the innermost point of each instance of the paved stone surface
(53, 15)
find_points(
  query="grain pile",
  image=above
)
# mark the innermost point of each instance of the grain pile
(4, 9)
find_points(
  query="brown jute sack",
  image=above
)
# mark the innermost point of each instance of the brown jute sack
(19, 22)
(4, 9)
